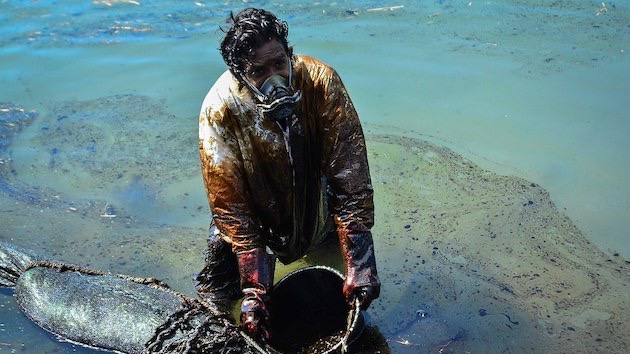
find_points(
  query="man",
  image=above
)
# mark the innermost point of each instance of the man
(284, 163)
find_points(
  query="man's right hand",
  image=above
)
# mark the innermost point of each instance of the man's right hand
(254, 314)
(256, 269)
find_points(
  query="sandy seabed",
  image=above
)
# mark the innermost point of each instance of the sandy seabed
(470, 261)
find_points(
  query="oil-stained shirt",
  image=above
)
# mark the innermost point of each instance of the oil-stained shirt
(283, 185)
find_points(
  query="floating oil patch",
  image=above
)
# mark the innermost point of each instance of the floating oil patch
(492, 261)
(127, 150)
(107, 141)
(13, 120)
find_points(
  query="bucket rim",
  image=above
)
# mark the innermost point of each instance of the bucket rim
(305, 269)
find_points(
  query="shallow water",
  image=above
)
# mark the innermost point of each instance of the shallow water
(106, 175)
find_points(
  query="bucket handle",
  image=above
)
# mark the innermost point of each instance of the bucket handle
(353, 318)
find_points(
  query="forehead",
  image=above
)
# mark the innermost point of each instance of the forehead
(268, 51)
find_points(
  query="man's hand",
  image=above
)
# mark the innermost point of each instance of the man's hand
(362, 280)
(256, 269)
(254, 314)
(365, 294)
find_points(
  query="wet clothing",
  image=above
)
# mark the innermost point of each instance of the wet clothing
(283, 186)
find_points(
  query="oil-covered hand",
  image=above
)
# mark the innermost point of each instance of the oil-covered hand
(362, 280)
(256, 269)
(365, 294)
(255, 314)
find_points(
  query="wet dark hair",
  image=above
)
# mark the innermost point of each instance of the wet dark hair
(250, 29)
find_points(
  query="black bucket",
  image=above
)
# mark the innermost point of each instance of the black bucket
(310, 313)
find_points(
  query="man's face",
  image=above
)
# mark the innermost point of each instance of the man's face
(269, 59)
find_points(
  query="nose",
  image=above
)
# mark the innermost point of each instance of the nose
(275, 71)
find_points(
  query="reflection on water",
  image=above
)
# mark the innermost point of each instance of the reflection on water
(99, 165)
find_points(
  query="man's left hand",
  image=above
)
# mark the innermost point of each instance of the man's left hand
(365, 295)
(362, 280)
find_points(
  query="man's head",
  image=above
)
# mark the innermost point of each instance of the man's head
(255, 43)
(256, 50)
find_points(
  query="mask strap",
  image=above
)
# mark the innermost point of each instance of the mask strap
(290, 74)
(259, 95)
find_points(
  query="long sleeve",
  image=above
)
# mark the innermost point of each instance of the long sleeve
(224, 173)
(346, 161)
(352, 193)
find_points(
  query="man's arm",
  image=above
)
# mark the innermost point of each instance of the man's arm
(224, 178)
(223, 174)
(349, 177)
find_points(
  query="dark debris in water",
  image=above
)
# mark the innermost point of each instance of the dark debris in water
(127, 147)
(494, 244)
(13, 119)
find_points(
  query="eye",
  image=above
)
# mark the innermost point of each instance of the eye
(281, 63)
(256, 72)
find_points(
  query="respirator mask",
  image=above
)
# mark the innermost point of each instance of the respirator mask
(276, 96)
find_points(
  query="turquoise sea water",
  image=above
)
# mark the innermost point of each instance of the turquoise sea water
(533, 89)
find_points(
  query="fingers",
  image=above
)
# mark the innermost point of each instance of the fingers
(254, 317)
(254, 326)
(364, 295)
